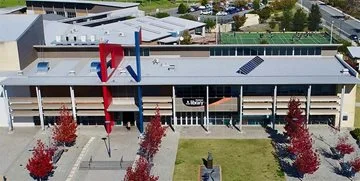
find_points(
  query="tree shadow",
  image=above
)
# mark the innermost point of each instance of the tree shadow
(281, 153)
(326, 153)
(204, 162)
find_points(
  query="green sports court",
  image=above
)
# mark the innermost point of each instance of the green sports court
(275, 38)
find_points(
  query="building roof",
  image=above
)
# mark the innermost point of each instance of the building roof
(9, 10)
(354, 52)
(54, 28)
(332, 11)
(13, 26)
(154, 28)
(192, 71)
(101, 3)
(52, 17)
(223, 70)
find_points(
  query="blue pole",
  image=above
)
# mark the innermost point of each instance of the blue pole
(138, 69)
(141, 117)
(137, 54)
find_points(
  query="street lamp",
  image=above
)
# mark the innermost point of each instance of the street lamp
(331, 33)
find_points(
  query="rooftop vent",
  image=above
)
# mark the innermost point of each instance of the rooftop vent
(72, 72)
(107, 32)
(171, 68)
(121, 34)
(20, 72)
(345, 71)
(95, 66)
(42, 67)
(156, 61)
(83, 38)
(58, 39)
(92, 38)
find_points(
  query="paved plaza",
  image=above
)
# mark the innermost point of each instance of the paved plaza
(15, 149)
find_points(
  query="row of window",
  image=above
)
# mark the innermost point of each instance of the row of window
(254, 90)
(62, 13)
(131, 52)
(270, 51)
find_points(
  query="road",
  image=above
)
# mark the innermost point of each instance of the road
(343, 27)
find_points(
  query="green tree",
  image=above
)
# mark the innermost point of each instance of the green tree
(286, 20)
(272, 24)
(256, 4)
(161, 15)
(203, 2)
(240, 3)
(314, 18)
(188, 16)
(343, 47)
(264, 14)
(182, 9)
(186, 38)
(264, 2)
(283, 4)
(209, 23)
(300, 20)
(238, 21)
(216, 7)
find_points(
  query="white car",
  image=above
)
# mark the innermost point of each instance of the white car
(202, 7)
(206, 12)
(221, 13)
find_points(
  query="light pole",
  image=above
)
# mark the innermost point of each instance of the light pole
(331, 32)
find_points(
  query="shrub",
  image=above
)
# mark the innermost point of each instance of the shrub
(355, 134)
(182, 9)
(162, 15)
(188, 16)
(272, 24)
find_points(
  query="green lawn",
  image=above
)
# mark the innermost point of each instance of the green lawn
(239, 159)
(9, 3)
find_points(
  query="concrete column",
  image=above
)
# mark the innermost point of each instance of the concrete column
(241, 108)
(341, 105)
(308, 99)
(293, 51)
(41, 115)
(8, 111)
(207, 108)
(274, 107)
(203, 31)
(173, 105)
(73, 105)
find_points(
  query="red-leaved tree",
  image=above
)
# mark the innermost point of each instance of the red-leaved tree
(152, 137)
(343, 146)
(307, 162)
(294, 119)
(300, 141)
(40, 164)
(64, 132)
(306, 159)
(355, 164)
(140, 172)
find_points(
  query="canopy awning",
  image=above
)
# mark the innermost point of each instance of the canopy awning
(122, 107)
(90, 113)
(25, 113)
(257, 112)
(257, 99)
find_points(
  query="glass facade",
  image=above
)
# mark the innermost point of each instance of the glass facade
(131, 52)
(269, 51)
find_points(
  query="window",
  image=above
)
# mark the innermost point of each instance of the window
(260, 50)
(317, 51)
(240, 51)
(71, 14)
(49, 12)
(297, 51)
(345, 117)
(61, 13)
(283, 51)
(268, 51)
(247, 51)
(304, 51)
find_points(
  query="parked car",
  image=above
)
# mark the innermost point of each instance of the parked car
(202, 7)
(354, 37)
(206, 12)
(221, 13)
(233, 10)
(209, 6)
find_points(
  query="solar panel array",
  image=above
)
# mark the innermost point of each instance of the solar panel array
(250, 66)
